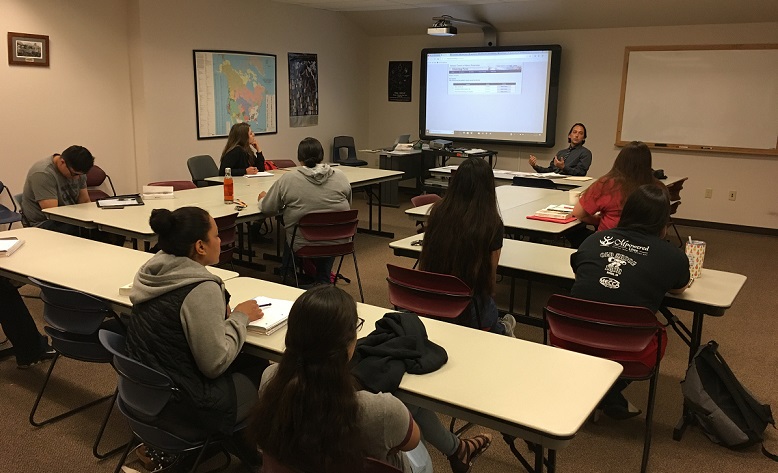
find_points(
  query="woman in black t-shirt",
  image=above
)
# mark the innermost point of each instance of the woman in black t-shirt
(242, 154)
(464, 238)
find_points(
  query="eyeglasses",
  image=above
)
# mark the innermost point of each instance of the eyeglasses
(360, 323)
(73, 172)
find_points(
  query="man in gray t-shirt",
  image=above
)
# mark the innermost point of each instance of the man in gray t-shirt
(57, 180)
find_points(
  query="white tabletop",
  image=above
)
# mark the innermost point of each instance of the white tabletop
(711, 293)
(545, 395)
(98, 269)
(133, 221)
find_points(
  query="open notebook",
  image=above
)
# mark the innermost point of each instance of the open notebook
(276, 314)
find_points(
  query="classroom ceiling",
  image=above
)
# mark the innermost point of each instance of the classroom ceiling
(409, 17)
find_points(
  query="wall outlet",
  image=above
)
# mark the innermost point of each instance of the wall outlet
(732, 195)
(708, 193)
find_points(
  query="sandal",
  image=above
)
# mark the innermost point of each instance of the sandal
(154, 460)
(468, 451)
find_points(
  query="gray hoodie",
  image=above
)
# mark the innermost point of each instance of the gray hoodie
(214, 340)
(304, 190)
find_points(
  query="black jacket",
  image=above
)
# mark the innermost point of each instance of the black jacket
(399, 344)
(237, 159)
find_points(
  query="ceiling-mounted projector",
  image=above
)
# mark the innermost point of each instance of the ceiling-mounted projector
(442, 30)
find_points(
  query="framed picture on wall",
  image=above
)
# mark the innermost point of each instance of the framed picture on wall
(233, 87)
(26, 49)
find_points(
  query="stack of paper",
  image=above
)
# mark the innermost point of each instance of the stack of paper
(9, 245)
(276, 313)
(561, 211)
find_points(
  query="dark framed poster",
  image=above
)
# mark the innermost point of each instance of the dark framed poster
(303, 90)
(233, 87)
(400, 81)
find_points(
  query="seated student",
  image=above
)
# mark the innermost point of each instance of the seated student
(600, 204)
(464, 238)
(631, 264)
(30, 347)
(312, 187)
(309, 416)
(571, 161)
(241, 153)
(57, 180)
(182, 325)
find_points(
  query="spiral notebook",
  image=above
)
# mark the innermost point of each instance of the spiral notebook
(276, 313)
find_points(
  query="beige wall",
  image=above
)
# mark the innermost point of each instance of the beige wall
(82, 98)
(166, 36)
(589, 92)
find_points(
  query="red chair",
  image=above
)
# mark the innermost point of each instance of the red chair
(95, 178)
(629, 335)
(176, 185)
(284, 163)
(226, 226)
(420, 200)
(338, 227)
(434, 295)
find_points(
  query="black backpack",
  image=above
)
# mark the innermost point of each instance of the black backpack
(728, 414)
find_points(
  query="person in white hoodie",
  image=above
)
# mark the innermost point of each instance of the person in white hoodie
(312, 187)
(182, 325)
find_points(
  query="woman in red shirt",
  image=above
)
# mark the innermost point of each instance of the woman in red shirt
(600, 205)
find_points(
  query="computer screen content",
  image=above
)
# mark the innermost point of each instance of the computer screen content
(498, 94)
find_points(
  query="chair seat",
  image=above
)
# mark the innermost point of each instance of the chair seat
(79, 347)
(9, 216)
(354, 163)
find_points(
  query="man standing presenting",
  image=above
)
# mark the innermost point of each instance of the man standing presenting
(56, 181)
(571, 161)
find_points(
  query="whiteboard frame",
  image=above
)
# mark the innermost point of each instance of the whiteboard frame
(684, 146)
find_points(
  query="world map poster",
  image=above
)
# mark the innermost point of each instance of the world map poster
(233, 87)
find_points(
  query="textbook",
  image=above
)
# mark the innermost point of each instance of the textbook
(561, 211)
(276, 313)
(9, 245)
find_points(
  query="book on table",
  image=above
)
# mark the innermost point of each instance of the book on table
(9, 245)
(560, 211)
(276, 313)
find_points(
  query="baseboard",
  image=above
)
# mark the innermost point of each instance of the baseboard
(725, 226)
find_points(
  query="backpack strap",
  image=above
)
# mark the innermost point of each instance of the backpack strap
(769, 455)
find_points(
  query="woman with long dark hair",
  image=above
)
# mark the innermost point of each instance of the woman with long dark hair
(464, 238)
(242, 153)
(310, 417)
(600, 205)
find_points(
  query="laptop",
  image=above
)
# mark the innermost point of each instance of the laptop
(400, 139)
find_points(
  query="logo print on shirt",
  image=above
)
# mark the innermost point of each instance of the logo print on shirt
(624, 245)
(610, 283)
(607, 241)
(614, 266)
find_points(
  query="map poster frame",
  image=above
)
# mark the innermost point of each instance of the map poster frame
(214, 121)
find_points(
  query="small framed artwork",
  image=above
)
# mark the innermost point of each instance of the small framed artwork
(28, 49)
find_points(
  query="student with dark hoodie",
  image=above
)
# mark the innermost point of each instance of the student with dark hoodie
(312, 187)
(182, 325)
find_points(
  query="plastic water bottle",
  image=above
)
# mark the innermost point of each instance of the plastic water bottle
(229, 194)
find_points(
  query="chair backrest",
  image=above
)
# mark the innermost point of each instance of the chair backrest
(200, 168)
(177, 185)
(95, 176)
(600, 329)
(143, 389)
(71, 311)
(328, 226)
(284, 163)
(226, 226)
(424, 199)
(10, 197)
(534, 182)
(347, 144)
(428, 294)
(675, 189)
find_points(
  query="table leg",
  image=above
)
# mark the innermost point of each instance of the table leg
(370, 205)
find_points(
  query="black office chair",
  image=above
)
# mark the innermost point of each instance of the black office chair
(534, 182)
(73, 319)
(202, 167)
(8, 216)
(344, 152)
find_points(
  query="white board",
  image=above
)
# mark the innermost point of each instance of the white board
(724, 98)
